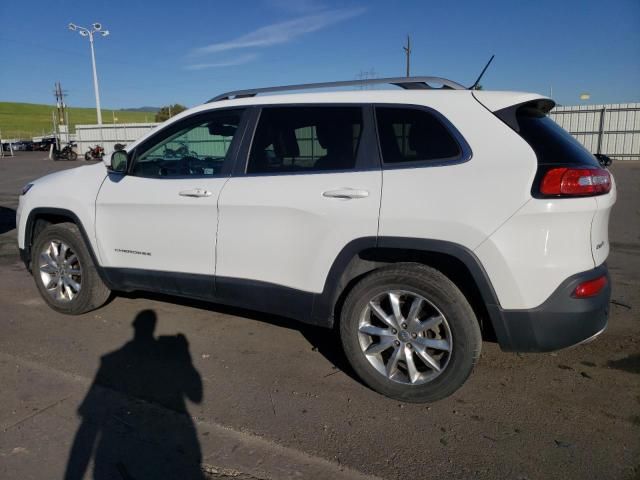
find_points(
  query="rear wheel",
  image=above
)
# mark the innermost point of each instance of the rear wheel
(410, 333)
(72, 155)
(64, 271)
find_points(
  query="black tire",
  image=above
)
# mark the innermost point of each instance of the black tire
(441, 293)
(87, 156)
(73, 156)
(93, 293)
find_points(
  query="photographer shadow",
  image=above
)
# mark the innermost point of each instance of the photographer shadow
(134, 418)
(7, 219)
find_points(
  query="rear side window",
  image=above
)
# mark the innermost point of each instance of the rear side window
(551, 143)
(306, 139)
(414, 135)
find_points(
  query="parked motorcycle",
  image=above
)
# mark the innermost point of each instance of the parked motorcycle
(95, 153)
(66, 153)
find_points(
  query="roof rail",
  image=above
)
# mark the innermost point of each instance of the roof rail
(408, 83)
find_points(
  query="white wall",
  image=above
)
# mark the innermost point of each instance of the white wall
(612, 129)
(88, 136)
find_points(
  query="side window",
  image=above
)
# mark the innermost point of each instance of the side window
(197, 147)
(414, 135)
(305, 139)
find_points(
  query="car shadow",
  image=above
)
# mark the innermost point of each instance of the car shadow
(7, 219)
(134, 418)
(323, 340)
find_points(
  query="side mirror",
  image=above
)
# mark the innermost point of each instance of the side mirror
(604, 160)
(118, 161)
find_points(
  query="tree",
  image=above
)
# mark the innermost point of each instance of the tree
(169, 111)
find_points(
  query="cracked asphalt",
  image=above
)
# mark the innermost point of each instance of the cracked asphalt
(196, 390)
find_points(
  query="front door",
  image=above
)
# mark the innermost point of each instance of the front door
(158, 222)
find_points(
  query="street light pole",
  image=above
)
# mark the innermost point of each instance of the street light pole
(95, 79)
(85, 32)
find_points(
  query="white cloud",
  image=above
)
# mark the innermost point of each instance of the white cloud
(282, 32)
(225, 63)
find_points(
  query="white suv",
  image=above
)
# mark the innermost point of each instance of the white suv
(415, 221)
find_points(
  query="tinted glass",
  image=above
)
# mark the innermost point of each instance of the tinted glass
(550, 141)
(413, 135)
(197, 148)
(306, 139)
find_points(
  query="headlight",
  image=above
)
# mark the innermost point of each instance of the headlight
(26, 188)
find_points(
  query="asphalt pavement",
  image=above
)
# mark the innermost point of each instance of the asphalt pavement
(174, 386)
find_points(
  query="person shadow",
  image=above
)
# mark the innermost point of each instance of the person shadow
(7, 219)
(134, 419)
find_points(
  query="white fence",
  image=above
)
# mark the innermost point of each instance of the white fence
(88, 136)
(612, 129)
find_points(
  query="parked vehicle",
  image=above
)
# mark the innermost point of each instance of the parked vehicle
(414, 222)
(180, 150)
(44, 144)
(21, 146)
(66, 153)
(95, 153)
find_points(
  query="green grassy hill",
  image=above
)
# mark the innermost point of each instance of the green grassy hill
(24, 120)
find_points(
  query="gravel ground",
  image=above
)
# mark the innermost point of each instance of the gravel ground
(267, 398)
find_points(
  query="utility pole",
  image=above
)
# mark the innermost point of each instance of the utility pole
(61, 106)
(365, 75)
(407, 51)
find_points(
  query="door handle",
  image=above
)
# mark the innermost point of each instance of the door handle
(196, 192)
(346, 193)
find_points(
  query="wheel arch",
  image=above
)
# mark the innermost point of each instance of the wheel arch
(39, 218)
(362, 256)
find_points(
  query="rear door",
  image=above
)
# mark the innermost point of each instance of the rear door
(311, 185)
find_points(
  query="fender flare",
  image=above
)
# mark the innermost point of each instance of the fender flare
(348, 265)
(60, 212)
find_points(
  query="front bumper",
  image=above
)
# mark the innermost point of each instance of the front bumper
(24, 256)
(561, 321)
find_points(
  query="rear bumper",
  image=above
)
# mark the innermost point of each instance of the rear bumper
(560, 322)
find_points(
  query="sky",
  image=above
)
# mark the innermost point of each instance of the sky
(188, 51)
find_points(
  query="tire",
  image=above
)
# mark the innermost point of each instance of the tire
(86, 291)
(87, 156)
(73, 156)
(442, 355)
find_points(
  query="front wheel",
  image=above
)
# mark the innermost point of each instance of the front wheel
(64, 271)
(87, 156)
(410, 333)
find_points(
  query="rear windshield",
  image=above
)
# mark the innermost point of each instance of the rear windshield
(552, 144)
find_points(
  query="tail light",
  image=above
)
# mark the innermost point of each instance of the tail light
(590, 288)
(566, 181)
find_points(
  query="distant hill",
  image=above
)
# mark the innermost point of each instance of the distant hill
(25, 120)
(141, 109)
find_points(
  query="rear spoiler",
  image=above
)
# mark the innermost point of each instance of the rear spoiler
(505, 105)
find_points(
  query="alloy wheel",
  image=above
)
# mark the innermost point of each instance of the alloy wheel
(405, 337)
(60, 271)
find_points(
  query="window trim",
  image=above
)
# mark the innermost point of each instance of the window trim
(465, 150)
(367, 158)
(194, 119)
